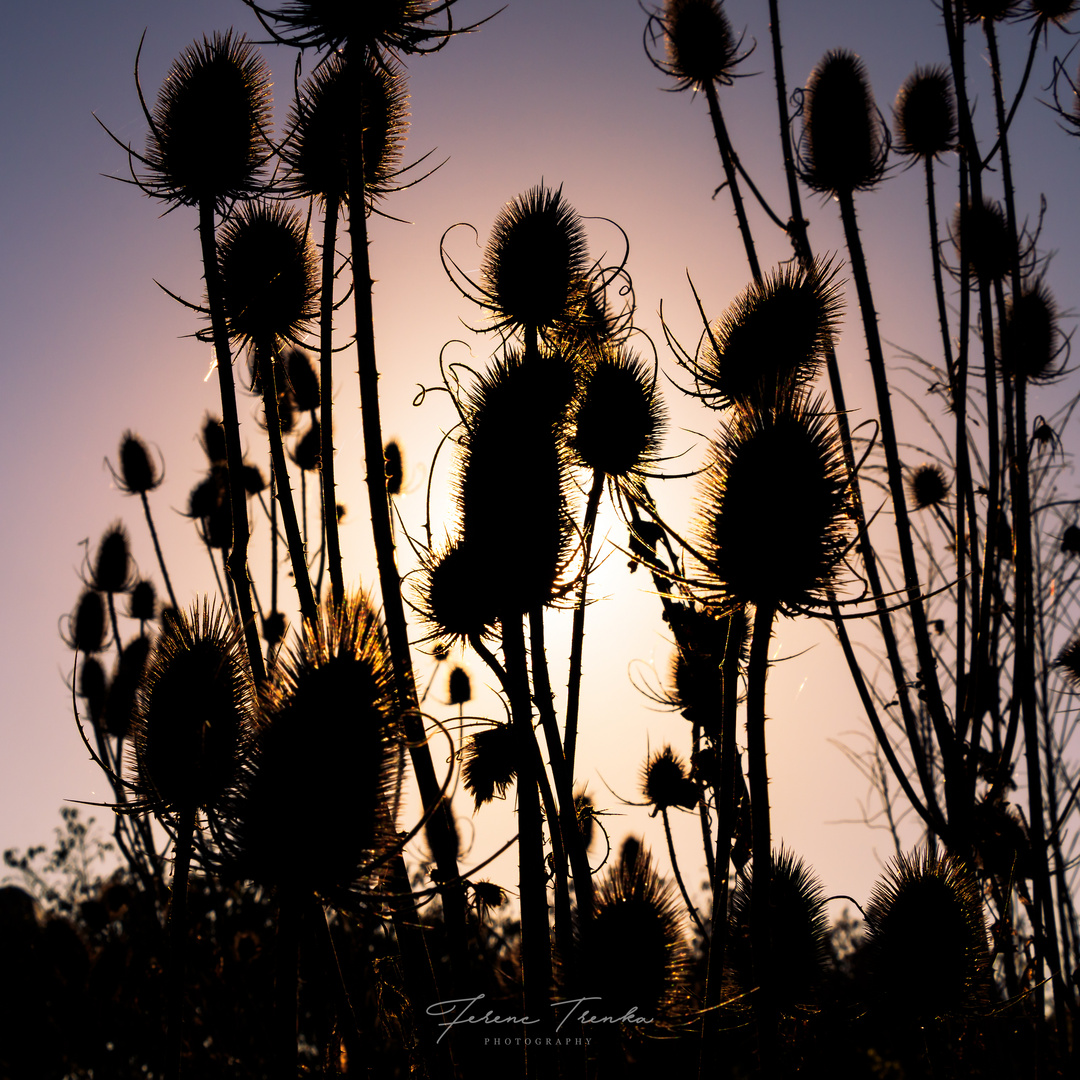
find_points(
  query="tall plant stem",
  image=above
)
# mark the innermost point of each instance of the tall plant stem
(157, 548)
(326, 383)
(264, 357)
(577, 633)
(727, 156)
(174, 1006)
(535, 948)
(286, 984)
(236, 566)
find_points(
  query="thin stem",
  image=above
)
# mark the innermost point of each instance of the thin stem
(174, 1008)
(157, 549)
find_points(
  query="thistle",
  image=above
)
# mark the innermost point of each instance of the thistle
(1029, 339)
(927, 486)
(112, 570)
(772, 340)
(925, 114)
(489, 763)
(701, 48)
(138, 473)
(845, 141)
(991, 10)
(86, 633)
(665, 783)
(455, 595)
(981, 232)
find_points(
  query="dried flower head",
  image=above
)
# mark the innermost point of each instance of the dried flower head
(112, 571)
(925, 114)
(618, 417)
(665, 783)
(845, 141)
(982, 235)
(142, 603)
(535, 262)
(455, 595)
(394, 467)
(926, 938)
(927, 486)
(213, 439)
(86, 626)
(458, 686)
(1068, 660)
(195, 710)
(307, 450)
(992, 10)
(1070, 540)
(1029, 341)
(303, 379)
(269, 273)
(798, 932)
(138, 472)
(701, 49)
(121, 706)
(1055, 11)
(206, 142)
(489, 763)
(774, 509)
(93, 689)
(772, 340)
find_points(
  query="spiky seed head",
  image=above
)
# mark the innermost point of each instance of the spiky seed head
(195, 710)
(513, 487)
(487, 894)
(456, 594)
(318, 153)
(210, 506)
(142, 604)
(121, 705)
(458, 686)
(844, 140)
(925, 114)
(585, 812)
(87, 624)
(1070, 540)
(273, 628)
(371, 26)
(1068, 660)
(303, 379)
(1002, 845)
(774, 508)
(138, 473)
(1056, 11)
(307, 451)
(394, 467)
(665, 783)
(93, 689)
(489, 763)
(993, 10)
(269, 273)
(773, 339)
(798, 932)
(711, 648)
(535, 261)
(701, 49)
(981, 232)
(206, 143)
(212, 440)
(442, 834)
(1029, 341)
(253, 479)
(312, 809)
(112, 569)
(633, 952)
(618, 418)
(928, 486)
(926, 937)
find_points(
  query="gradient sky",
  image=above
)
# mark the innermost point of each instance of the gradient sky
(558, 90)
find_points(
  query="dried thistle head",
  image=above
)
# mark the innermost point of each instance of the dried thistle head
(86, 625)
(664, 782)
(458, 686)
(926, 938)
(991, 10)
(322, 120)
(489, 763)
(303, 379)
(195, 710)
(773, 339)
(1055, 11)
(798, 932)
(618, 417)
(701, 48)
(142, 603)
(394, 467)
(1029, 340)
(212, 439)
(1068, 660)
(981, 234)
(925, 114)
(845, 141)
(112, 570)
(535, 262)
(121, 705)
(269, 273)
(456, 596)
(312, 808)
(927, 486)
(138, 472)
(307, 450)
(774, 510)
(206, 143)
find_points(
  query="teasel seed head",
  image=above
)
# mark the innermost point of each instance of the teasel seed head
(394, 466)
(318, 153)
(489, 763)
(86, 633)
(925, 114)
(459, 686)
(93, 689)
(121, 706)
(1056, 11)
(585, 812)
(773, 339)
(633, 951)
(138, 473)
(369, 27)
(775, 506)
(535, 262)
(1029, 340)
(927, 486)
(981, 232)
(312, 804)
(307, 451)
(112, 571)
(993, 10)
(798, 931)
(269, 273)
(303, 379)
(195, 710)
(443, 843)
(1070, 540)
(456, 595)
(273, 628)
(701, 48)
(1068, 660)
(142, 603)
(665, 783)
(206, 141)
(253, 479)
(844, 141)
(213, 440)
(926, 938)
(618, 417)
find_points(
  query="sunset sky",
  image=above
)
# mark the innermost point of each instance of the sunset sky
(558, 91)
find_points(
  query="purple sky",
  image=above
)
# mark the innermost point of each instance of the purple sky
(559, 90)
